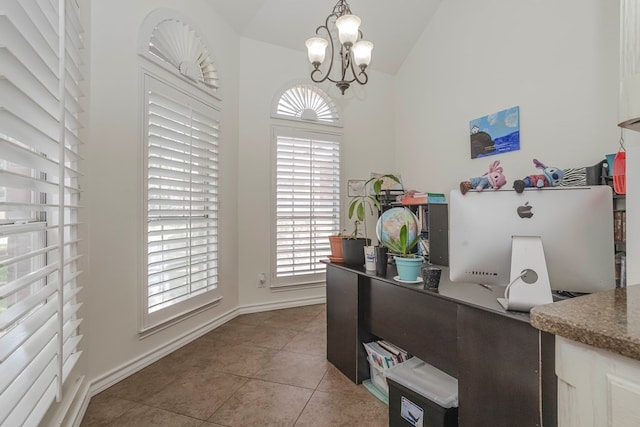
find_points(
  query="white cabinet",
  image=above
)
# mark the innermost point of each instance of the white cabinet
(596, 388)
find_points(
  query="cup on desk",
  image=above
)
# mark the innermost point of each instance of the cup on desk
(431, 276)
(381, 260)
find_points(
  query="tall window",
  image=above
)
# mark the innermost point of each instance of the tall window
(39, 198)
(306, 186)
(181, 173)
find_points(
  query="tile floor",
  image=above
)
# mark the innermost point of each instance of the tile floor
(262, 369)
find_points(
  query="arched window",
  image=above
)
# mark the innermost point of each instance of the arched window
(170, 41)
(307, 103)
(180, 170)
(306, 185)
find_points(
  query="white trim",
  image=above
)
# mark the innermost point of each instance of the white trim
(148, 26)
(323, 124)
(150, 323)
(76, 412)
(312, 280)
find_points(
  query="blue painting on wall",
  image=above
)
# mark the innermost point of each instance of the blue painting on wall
(496, 133)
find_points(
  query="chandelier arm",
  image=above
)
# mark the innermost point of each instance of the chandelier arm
(317, 70)
(346, 55)
(356, 75)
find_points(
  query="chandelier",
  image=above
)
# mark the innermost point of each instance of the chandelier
(353, 50)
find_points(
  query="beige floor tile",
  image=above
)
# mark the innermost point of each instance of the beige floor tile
(197, 394)
(336, 409)
(312, 343)
(295, 369)
(103, 409)
(255, 319)
(258, 370)
(335, 381)
(260, 403)
(240, 360)
(318, 324)
(147, 381)
(231, 334)
(272, 338)
(146, 416)
(297, 318)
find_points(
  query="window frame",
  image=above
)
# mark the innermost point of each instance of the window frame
(152, 322)
(310, 131)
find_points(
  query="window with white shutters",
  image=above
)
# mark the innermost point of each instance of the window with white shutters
(182, 136)
(40, 45)
(307, 203)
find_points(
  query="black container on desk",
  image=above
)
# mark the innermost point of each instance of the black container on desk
(381, 260)
(434, 414)
(421, 395)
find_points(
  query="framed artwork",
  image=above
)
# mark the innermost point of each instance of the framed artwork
(355, 187)
(388, 184)
(495, 133)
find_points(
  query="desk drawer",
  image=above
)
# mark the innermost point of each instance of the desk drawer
(419, 322)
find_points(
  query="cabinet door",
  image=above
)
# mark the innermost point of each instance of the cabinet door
(342, 320)
(419, 322)
(499, 378)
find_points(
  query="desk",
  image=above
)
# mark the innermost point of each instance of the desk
(504, 366)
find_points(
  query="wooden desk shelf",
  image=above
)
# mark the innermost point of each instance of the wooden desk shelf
(504, 366)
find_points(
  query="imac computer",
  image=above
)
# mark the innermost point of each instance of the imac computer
(556, 238)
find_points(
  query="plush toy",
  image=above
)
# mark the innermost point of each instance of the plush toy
(550, 177)
(493, 178)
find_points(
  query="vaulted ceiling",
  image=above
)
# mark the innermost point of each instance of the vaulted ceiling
(393, 25)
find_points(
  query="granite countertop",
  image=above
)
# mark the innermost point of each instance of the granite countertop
(608, 320)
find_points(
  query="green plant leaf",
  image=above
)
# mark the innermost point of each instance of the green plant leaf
(403, 239)
(360, 212)
(352, 206)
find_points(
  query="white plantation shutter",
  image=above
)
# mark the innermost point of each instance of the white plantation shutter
(39, 195)
(182, 203)
(307, 204)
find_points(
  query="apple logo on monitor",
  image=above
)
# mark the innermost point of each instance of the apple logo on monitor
(524, 211)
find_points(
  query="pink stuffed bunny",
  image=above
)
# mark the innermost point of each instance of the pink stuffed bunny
(493, 178)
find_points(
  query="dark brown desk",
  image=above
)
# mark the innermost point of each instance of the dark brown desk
(504, 366)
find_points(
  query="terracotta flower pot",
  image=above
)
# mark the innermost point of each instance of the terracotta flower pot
(336, 249)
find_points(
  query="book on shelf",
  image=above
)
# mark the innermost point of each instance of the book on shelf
(384, 355)
(425, 198)
(619, 226)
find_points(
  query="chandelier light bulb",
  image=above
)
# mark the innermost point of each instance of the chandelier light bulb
(316, 48)
(362, 53)
(348, 27)
(349, 56)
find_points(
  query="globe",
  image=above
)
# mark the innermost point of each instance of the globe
(392, 220)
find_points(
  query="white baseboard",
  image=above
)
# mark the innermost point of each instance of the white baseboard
(116, 375)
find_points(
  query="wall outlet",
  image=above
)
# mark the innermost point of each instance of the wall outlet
(262, 280)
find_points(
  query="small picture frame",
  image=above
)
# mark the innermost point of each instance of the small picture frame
(355, 187)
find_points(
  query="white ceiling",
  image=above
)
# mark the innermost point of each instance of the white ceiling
(393, 25)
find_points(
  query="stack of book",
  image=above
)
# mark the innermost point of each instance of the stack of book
(424, 198)
(384, 354)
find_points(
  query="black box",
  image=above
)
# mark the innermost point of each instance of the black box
(433, 415)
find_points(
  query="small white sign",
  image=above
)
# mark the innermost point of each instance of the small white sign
(411, 412)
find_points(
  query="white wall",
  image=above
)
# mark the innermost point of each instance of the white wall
(112, 187)
(367, 146)
(557, 60)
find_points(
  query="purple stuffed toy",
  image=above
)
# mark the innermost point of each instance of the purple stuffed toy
(550, 177)
(493, 178)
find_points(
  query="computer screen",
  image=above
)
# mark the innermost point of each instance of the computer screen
(575, 225)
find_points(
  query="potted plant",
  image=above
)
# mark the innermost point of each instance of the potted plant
(354, 248)
(408, 264)
(335, 242)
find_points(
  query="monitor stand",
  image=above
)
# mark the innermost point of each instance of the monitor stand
(529, 286)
